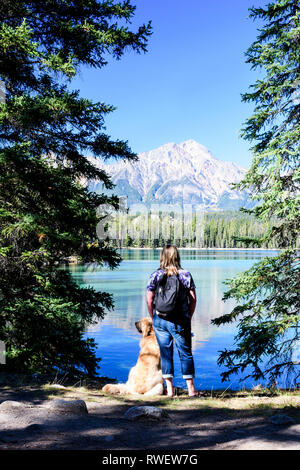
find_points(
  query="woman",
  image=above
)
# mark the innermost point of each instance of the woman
(174, 326)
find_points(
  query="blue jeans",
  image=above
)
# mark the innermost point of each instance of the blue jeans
(166, 332)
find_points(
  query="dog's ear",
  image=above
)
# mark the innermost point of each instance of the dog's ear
(139, 326)
(147, 327)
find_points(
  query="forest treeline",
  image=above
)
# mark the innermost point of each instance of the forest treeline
(209, 230)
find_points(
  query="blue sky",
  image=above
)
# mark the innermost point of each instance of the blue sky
(188, 84)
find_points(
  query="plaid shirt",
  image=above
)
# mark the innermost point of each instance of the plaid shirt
(184, 276)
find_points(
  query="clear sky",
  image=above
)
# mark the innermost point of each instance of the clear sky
(188, 84)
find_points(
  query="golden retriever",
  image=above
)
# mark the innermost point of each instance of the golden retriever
(146, 376)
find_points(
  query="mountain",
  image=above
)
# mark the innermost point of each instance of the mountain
(185, 173)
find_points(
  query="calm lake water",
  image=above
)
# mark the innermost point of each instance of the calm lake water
(117, 337)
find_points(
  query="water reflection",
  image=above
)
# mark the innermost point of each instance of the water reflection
(128, 286)
(198, 253)
(117, 336)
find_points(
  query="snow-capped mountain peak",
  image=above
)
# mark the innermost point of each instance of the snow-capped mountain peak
(184, 173)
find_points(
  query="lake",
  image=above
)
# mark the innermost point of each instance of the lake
(116, 335)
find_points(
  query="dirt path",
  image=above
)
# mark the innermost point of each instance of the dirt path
(204, 423)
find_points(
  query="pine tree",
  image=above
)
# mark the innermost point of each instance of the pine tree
(268, 294)
(46, 210)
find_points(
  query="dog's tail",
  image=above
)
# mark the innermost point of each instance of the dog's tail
(115, 389)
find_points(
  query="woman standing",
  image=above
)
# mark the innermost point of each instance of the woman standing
(172, 322)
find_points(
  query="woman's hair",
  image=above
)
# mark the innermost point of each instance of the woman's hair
(170, 259)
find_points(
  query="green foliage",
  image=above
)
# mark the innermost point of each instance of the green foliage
(268, 294)
(46, 211)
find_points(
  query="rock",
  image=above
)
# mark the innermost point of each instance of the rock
(11, 405)
(281, 419)
(34, 427)
(150, 412)
(68, 406)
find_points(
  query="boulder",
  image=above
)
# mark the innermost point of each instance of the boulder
(10, 405)
(34, 427)
(149, 412)
(68, 406)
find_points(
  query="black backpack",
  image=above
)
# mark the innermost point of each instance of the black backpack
(167, 296)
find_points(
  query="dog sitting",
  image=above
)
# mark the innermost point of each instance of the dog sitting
(146, 376)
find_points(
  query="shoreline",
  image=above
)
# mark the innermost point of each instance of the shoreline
(203, 249)
(72, 259)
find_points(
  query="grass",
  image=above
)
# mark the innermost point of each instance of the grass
(256, 401)
(253, 402)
